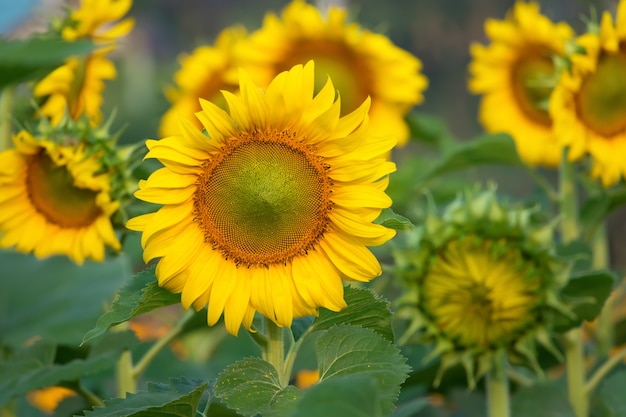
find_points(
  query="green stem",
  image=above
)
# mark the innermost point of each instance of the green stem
(568, 202)
(159, 345)
(274, 351)
(125, 381)
(92, 398)
(497, 385)
(600, 260)
(604, 370)
(6, 107)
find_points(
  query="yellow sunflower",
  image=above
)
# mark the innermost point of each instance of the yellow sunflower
(76, 87)
(515, 74)
(54, 200)
(272, 208)
(203, 74)
(361, 63)
(589, 102)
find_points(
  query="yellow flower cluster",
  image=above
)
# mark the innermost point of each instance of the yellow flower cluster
(550, 90)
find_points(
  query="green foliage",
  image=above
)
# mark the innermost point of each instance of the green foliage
(179, 399)
(365, 309)
(611, 394)
(393, 220)
(54, 299)
(588, 293)
(141, 295)
(23, 60)
(428, 129)
(545, 399)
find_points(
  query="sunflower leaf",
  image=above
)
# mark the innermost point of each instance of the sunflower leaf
(611, 393)
(392, 220)
(544, 399)
(251, 387)
(181, 397)
(350, 350)
(33, 368)
(365, 309)
(140, 295)
(428, 129)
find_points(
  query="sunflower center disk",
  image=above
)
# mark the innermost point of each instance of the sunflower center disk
(263, 202)
(478, 301)
(51, 189)
(532, 86)
(602, 99)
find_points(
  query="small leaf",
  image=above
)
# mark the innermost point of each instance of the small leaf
(365, 309)
(300, 326)
(251, 387)
(578, 252)
(591, 291)
(22, 60)
(141, 295)
(393, 220)
(544, 399)
(597, 207)
(427, 128)
(347, 396)
(181, 399)
(350, 350)
(488, 149)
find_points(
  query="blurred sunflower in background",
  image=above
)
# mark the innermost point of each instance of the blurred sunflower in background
(272, 207)
(589, 102)
(360, 63)
(75, 88)
(516, 74)
(203, 74)
(55, 197)
(483, 281)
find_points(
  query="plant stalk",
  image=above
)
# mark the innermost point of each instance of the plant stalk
(274, 350)
(497, 385)
(600, 260)
(6, 107)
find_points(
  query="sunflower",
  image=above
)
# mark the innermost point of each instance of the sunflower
(76, 87)
(272, 208)
(54, 200)
(589, 102)
(360, 63)
(483, 282)
(515, 74)
(203, 74)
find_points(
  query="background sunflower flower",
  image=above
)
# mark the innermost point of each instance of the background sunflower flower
(271, 209)
(483, 282)
(516, 74)
(361, 63)
(589, 102)
(76, 87)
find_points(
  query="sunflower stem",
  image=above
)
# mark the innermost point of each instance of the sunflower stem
(125, 381)
(159, 345)
(497, 385)
(274, 350)
(600, 260)
(6, 106)
(603, 371)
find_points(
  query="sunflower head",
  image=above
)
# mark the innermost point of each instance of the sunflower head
(589, 102)
(59, 189)
(361, 63)
(272, 207)
(483, 281)
(516, 74)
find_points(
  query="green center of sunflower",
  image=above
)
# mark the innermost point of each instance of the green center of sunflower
(532, 86)
(263, 200)
(602, 98)
(350, 75)
(478, 299)
(53, 193)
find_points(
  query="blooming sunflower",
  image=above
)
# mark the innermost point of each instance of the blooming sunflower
(272, 208)
(589, 102)
(55, 200)
(515, 74)
(76, 87)
(359, 62)
(203, 74)
(483, 282)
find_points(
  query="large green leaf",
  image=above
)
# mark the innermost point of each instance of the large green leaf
(365, 309)
(180, 399)
(488, 149)
(140, 295)
(22, 60)
(591, 291)
(251, 387)
(54, 299)
(33, 368)
(349, 350)
(428, 129)
(597, 207)
(545, 399)
(347, 396)
(611, 393)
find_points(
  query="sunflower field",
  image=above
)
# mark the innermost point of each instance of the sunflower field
(298, 208)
